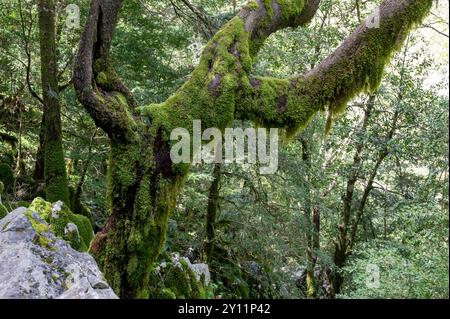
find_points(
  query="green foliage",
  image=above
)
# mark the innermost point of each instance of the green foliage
(413, 260)
(6, 175)
(3, 211)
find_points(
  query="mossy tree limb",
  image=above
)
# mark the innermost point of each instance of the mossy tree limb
(355, 66)
(143, 183)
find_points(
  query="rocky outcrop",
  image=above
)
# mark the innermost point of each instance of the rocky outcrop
(36, 264)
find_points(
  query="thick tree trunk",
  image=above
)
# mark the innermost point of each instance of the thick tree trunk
(142, 196)
(54, 166)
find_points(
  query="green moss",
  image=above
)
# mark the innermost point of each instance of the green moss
(244, 290)
(102, 78)
(346, 79)
(290, 104)
(41, 228)
(56, 184)
(209, 94)
(177, 281)
(58, 221)
(291, 9)
(198, 291)
(84, 228)
(42, 207)
(166, 293)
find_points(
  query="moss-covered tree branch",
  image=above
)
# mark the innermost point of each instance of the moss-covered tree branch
(355, 66)
(215, 86)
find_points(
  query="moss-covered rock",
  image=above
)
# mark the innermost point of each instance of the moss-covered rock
(59, 216)
(176, 280)
(42, 230)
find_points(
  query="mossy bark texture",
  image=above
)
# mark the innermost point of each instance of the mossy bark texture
(143, 182)
(54, 167)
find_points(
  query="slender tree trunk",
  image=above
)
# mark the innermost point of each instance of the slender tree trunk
(342, 245)
(348, 239)
(54, 166)
(310, 233)
(211, 214)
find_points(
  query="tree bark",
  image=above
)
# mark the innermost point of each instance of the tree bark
(211, 214)
(312, 222)
(38, 173)
(54, 166)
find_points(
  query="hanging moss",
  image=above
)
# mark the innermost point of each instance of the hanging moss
(356, 67)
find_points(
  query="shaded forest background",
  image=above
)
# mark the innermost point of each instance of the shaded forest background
(381, 172)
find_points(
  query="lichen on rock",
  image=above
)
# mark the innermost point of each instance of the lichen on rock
(35, 264)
